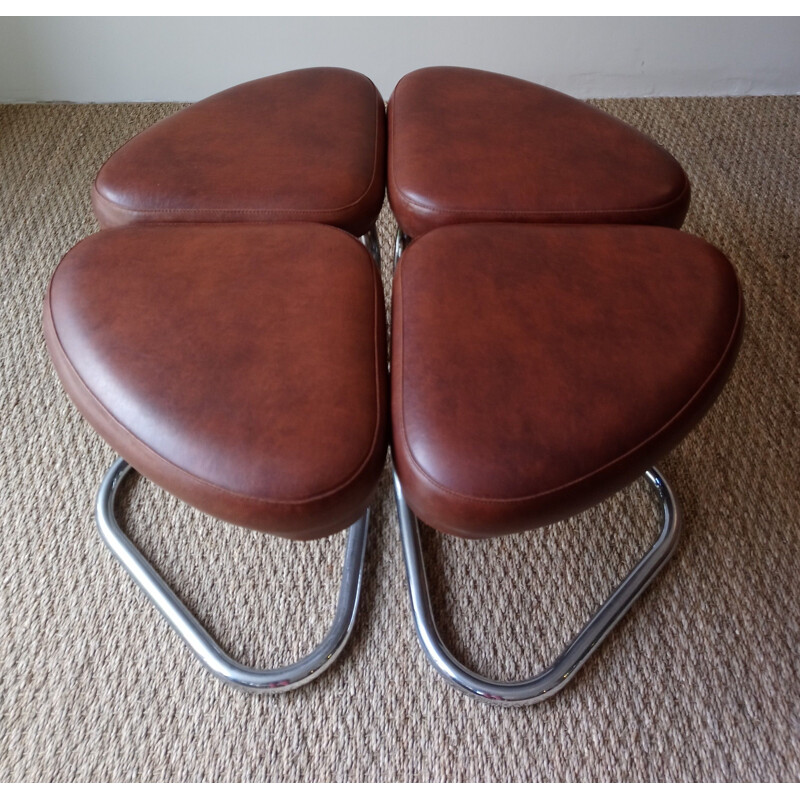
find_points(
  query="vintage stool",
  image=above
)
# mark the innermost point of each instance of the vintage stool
(308, 145)
(537, 368)
(473, 146)
(242, 367)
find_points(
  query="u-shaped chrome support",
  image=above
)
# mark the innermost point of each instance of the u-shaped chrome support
(209, 653)
(563, 669)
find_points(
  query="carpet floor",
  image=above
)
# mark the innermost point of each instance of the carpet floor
(698, 683)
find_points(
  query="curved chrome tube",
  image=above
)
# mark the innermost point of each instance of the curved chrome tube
(372, 243)
(563, 669)
(192, 632)
(400, 242)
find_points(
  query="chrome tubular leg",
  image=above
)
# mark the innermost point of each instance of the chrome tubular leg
(197, 638)
(400, 242)
(372, 243)
(563, 669)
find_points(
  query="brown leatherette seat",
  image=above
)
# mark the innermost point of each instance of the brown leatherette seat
(240, 367)
(473, 146)
(307, 145)
(536, 369)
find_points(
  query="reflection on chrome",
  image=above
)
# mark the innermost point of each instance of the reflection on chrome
(213, 658)
(400, 242)
(372, 243)
(563, 669)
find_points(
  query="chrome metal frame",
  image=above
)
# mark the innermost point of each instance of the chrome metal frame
(563, 669)
(372, 243)
(401, 240)
(209, 653)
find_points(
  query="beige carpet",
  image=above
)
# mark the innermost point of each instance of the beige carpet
(700, 681)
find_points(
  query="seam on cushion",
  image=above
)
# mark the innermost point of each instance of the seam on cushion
(492, 501)
(378, 108)
(219, 490)
(506, 212)
(514, 213)
(377, 318)
(221, 224)
(187, 211)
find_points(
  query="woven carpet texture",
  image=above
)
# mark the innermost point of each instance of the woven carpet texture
(698, 683)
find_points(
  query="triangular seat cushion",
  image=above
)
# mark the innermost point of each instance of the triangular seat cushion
(305, 146)
(240, 367)
(536, 369)
(472, 146)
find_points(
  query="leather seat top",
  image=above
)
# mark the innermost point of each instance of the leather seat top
(307, 145)
(471, 146)
(536, 369)
(240, 367)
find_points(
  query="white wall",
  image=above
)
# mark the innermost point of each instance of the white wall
(145, 58)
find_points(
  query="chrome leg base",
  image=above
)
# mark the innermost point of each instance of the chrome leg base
(197, 638)
(563, 669)
(372, 243)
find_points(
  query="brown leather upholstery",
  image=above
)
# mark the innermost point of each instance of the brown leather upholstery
(241, 367)
(536, 369)
(301, 146)
(471, 146)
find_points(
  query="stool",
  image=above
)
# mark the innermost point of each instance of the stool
(308, 145)
(472, 146)
(538, 369)
(242, 367)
